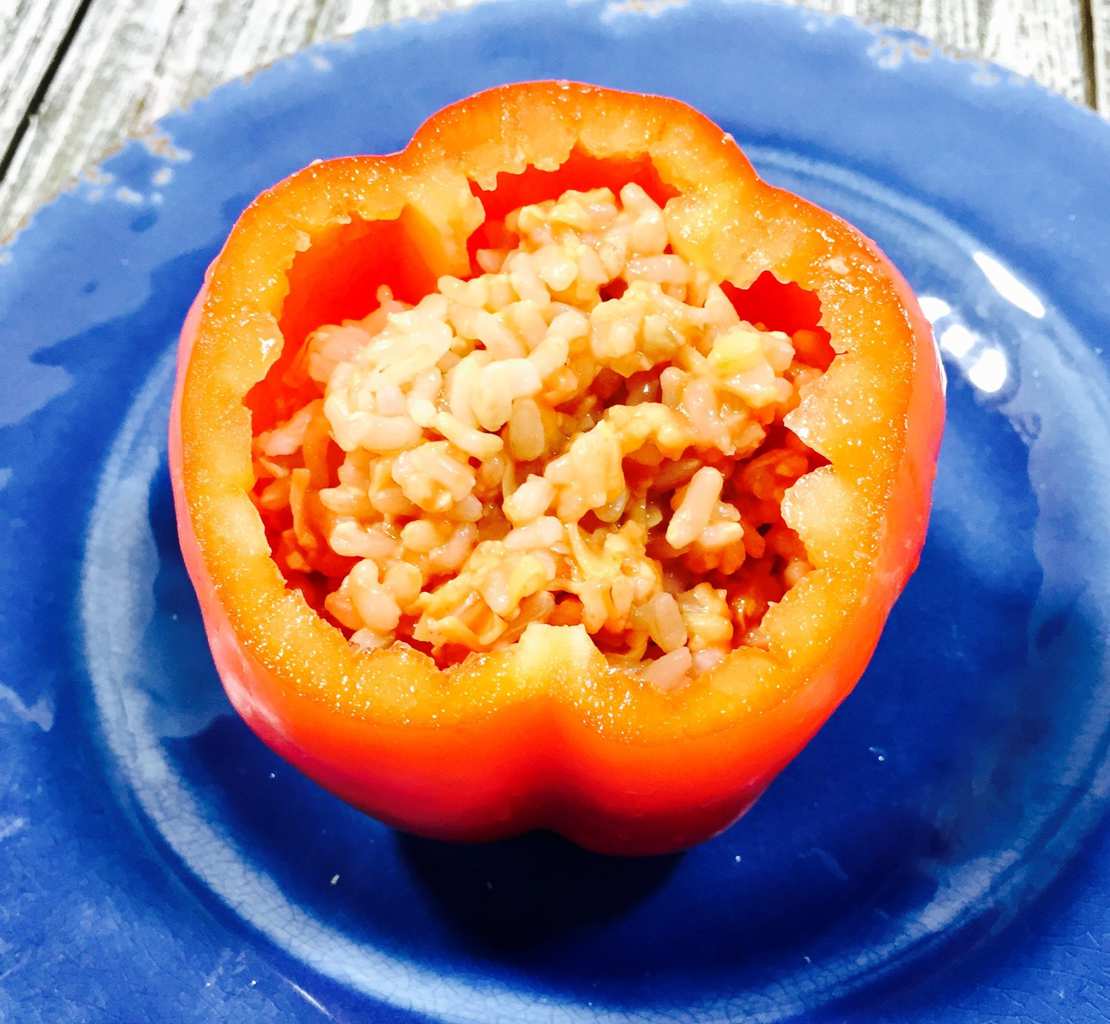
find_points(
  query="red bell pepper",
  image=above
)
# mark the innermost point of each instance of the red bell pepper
(548, 733)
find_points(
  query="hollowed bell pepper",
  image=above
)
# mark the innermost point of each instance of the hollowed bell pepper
(548, 734)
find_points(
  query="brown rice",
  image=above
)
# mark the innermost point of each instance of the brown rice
(519, 447)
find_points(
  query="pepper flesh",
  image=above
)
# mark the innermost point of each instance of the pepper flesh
(548, 733)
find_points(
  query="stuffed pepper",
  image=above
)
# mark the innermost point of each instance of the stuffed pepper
(554, 472)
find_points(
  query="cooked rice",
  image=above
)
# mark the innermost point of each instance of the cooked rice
(584, 433)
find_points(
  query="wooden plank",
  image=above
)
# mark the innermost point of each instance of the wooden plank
(1100, 46)
(1038, 38)
(1042, 39)
(133, 60)
(32, 33)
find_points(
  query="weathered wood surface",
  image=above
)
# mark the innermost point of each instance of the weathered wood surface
(1039, 38)
(1099, 35)
(32, 33)
(78, 76)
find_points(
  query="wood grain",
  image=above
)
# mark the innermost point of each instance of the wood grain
(131, 61)
(1038, 38)
(32, 33)
(1100, 45)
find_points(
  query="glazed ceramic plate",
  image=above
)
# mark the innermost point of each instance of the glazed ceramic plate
(936, 854)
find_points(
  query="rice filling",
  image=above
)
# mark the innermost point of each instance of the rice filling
(583, 433)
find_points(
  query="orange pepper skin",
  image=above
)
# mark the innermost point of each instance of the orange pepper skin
(549, 735)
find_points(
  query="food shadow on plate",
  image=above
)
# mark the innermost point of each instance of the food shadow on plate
(513, 895)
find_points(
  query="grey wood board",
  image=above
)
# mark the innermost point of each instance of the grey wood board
(32, 33)
(1100, 48)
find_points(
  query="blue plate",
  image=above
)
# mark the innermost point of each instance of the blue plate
(935, 855)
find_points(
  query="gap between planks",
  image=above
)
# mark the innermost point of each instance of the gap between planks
(134, 60)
